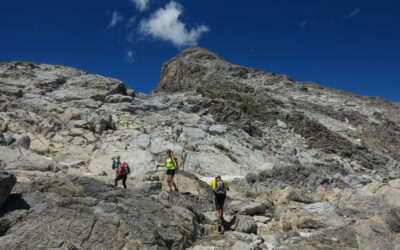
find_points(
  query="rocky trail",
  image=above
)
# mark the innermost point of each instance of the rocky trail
(308, 167)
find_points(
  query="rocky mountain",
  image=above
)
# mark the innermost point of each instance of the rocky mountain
(309, 167)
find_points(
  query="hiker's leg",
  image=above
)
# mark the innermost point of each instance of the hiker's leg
(124, 180)
(173, 182)
(116, 180)
(169, 182)
(219, 215)
(218, 208)
(222, 209)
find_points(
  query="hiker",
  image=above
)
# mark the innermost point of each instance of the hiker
(115, 163)
(171, 166)
(122, 171)
(219, 187)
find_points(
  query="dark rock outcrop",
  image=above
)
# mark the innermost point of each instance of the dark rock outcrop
(7, 182)
(86, 213)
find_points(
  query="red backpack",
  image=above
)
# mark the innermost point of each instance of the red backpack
(124, 169)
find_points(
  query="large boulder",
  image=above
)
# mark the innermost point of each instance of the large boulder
(7, 182)
(84, 213)
(16, 140)
(253, 208)
(246, 224)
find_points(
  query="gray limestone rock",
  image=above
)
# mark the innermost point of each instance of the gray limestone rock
(266, 134)
(147, 186)
(253, 208)
(117, 217)
(309, 223)
(246, 224)
(299, 197)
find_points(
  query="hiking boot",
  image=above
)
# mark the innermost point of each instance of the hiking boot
(219, 227)
(176, 190)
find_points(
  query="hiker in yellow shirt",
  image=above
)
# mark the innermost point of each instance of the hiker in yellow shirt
(219, 187)
(172, 166)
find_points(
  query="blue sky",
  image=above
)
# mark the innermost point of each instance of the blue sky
(348, 45)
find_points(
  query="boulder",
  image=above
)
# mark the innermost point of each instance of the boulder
(7, 182)
(319, 207)
(252, 178)
(23, 141)
(246, 224)
(299, 197)
(22, 159)
(281, 124)
(253, 208)
(147, 186)
(84, 213)
(117, 98)
(217, 129)
(40, 145)
(309, 223)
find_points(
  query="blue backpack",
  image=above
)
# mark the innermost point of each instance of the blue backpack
(114, 164)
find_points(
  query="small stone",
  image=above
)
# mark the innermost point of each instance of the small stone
(76, 132)
(262, 219)
(281, 124)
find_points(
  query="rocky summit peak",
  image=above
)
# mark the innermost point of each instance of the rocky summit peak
(196, 66)
(196, 52)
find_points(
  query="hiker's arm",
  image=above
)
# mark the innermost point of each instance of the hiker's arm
(206, 185)
(226, 186)
(161, 165)
(173, 160)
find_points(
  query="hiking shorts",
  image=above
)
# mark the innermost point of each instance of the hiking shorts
(219, 202)
(171, 172)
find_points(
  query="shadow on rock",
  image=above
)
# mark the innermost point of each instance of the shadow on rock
(229, 224)
(14, 202)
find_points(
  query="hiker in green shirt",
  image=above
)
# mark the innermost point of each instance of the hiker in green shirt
(171, 166)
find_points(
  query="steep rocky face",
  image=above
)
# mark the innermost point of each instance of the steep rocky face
(309, 167)
(362, 130)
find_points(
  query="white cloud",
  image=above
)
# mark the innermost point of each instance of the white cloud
(141, 5)
(115, 19)
(351, 14)
(164, 24)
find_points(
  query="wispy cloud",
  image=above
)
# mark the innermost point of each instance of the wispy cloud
(164, 24)
(129, 57)
(131, 21)
(115, 19)
(141, 5)
(303, 24)
(351, 14)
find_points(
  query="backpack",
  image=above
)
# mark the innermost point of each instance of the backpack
(124, 169)
(177, 163)
(114, 164)
(220, 189)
